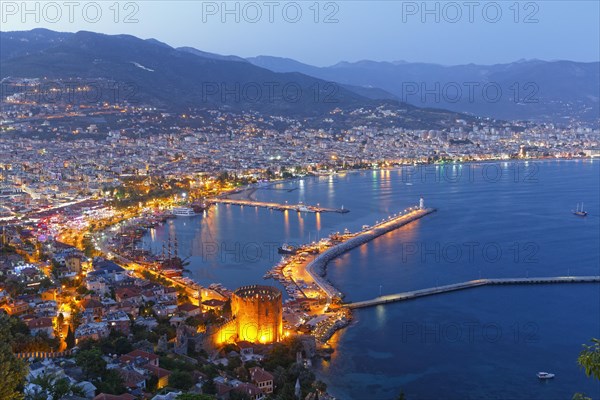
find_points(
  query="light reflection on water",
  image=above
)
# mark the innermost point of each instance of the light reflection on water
(499, 211)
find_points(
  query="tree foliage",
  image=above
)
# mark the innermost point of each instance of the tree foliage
(70, 339)
(194, 396)
(51, 386)
(111, 383)
(181, 380)
(12, 373)
(589, 359)
(209, 387)
(12, 370)
(91, 362)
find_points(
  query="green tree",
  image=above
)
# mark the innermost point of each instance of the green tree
(122, 345)
(70, 339)
(589, 359)
(76, 316)
(194, 396)
(111, 383)
(181, 380)
(579, 396)
(91, 362)
(60, 388)
(12, 373)
(209, 387)
(44, 382)
(12, 370)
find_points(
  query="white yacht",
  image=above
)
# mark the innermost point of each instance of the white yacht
(545, 375)
(183, 212)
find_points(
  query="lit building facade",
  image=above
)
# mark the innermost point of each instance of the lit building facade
(257, 312)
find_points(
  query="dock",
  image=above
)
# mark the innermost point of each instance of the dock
(470, 284)
(277, 206)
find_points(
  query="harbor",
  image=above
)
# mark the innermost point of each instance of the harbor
(302, 272)
(304, 277)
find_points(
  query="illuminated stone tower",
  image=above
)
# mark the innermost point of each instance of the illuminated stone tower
(258, 313)
(421, 203)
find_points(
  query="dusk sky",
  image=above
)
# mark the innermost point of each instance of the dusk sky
(482, 32)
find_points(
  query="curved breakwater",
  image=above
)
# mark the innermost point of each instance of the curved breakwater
(318, 267)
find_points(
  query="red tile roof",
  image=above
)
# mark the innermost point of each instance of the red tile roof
(157, 371)
(260, 375)
(249, 389)
(43, 322)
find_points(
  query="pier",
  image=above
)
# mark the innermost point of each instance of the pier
(277, 206)
(316, 268)
(470, 284)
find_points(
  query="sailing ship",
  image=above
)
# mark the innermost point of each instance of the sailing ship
(579, 212)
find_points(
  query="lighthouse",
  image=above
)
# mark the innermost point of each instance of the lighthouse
(421, 203)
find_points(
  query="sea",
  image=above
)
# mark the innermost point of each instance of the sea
(506, 219)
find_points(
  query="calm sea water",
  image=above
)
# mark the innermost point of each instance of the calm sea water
(493, 220)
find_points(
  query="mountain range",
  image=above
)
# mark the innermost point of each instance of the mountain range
(185, 77)
(538, 90)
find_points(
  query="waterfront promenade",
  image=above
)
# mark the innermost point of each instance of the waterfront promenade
(317, 267)
(470, 284)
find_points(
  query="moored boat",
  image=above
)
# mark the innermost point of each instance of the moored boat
(183, 212)
(286, 249)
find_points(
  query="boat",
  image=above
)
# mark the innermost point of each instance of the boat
(286, 249)
(170, 273)
(580, 212)
(183, 212)
(303, 208)
(545, 375)
(199, 207)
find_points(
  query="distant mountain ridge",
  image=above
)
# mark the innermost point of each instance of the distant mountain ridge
(163, 75)
(184, 78)
(530, 89)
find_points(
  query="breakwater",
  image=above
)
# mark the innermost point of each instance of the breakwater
(392, 298)
(317, 267)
